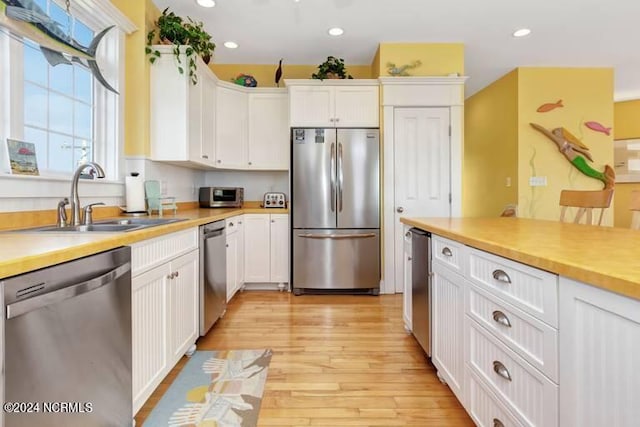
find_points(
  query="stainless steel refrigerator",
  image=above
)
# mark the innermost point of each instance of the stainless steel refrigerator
(335, 210)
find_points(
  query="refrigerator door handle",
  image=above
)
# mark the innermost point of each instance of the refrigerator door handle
(336, 236)
(333, 177)
(340, 177)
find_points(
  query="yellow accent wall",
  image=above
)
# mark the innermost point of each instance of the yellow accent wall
(265, 73)
(438, 59)
(586, 94)
(136, 91)
(626, 125)
(503, 110)
(491, 148)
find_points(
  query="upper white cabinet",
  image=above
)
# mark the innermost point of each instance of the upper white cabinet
(334, 103)
(268, 145)
(182, 114)
(252, 128)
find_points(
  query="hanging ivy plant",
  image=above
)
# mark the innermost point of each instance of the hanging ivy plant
(332, 68)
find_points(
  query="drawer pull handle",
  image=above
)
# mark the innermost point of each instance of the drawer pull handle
(497, 423)
(501, 276)
(446, 251)
(501, 318)
(501, 370)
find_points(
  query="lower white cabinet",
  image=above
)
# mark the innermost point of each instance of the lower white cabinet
(447, 329)
(406, 295)
(266, 248)
(599, 357)
(164, 305)
(235, 255)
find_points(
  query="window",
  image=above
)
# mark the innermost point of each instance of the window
(69, 116)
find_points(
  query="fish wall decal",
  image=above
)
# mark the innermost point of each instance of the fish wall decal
(545, 108)
(24, 18)
(595, 126)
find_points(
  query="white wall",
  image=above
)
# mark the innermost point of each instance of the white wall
(255, 183)
(179, 182)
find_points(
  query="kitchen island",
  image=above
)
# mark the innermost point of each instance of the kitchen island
(536, 322)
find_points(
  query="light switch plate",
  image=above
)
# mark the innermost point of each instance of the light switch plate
(538, 181)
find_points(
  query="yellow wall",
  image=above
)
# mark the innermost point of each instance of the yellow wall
(136, 92)
(265, 73)
(626, 125)
(491, 148)
(438, 59)
(586, 94)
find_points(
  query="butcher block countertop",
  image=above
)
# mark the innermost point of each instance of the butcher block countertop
(605, 257)
(26, 251)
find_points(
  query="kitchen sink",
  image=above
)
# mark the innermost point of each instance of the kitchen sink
(107, 226)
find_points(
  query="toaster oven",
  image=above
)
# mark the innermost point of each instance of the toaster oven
(221, 197)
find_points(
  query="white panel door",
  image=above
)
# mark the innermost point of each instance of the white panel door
(422, 171)
(149, 333)
(279, 248)
(256, 248)
(231, 128)
(182, 292)
(311, 106)
(268, 131)
(357, 106)
(599, 357)
(232, 264)
(447, 332)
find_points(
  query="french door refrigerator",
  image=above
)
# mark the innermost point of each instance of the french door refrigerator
(335, 210)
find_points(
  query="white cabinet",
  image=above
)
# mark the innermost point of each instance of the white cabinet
(231, 128)
(235, 255)
(350, 103)
(266, 248)
(406, 295)
(447, 329)
(182, 114)
(599, 357)
(268, 145)
(164, 307)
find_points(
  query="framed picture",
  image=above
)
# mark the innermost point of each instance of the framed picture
(22, 157)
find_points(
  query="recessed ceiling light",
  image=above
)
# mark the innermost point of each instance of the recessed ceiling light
(206, 3)
(230, 45)
(521, 32)
(336, 31)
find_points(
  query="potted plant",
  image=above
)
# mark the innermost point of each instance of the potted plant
(332, 68)
(172, 29)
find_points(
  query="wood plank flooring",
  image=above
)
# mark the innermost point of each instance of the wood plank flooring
(337, 361)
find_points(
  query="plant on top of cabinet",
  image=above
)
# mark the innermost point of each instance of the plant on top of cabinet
(172, 29)
(332, 68)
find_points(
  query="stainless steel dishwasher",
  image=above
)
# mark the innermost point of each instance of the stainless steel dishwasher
(67, 344)
(213, 274)
(421, 288)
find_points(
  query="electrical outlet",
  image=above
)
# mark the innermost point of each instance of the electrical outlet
(538, 181)
(163, 187)
(508, 181)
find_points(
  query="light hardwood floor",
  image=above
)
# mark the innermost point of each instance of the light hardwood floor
(337, 361)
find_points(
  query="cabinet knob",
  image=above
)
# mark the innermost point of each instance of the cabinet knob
(273, 220)
(408, 258)
(169, 276)
(331, 120)
(337, 119)
(501, 276)
(407, 234)
(399, 209)
(446, 251)
(231, 224)
(204, 156)
(501, 318)
(177, 273)
(250, 163)
(501, 370)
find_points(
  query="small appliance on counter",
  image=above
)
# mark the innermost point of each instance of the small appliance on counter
(221, 197)
(274, 200)
(134, 195)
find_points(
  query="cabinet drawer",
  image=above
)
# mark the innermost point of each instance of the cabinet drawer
(233, 224)
(153, 252)
(531, 396)
(529, 289)
(532, 339)
(484, 406)
(450, 253)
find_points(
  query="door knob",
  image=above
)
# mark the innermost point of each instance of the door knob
(400, 209)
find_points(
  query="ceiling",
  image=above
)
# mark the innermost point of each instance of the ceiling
(565, 33)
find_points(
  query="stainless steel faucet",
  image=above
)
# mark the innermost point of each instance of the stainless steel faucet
(75, 199)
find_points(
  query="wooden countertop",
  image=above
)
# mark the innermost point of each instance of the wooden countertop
(26, 251)
(606, 257)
